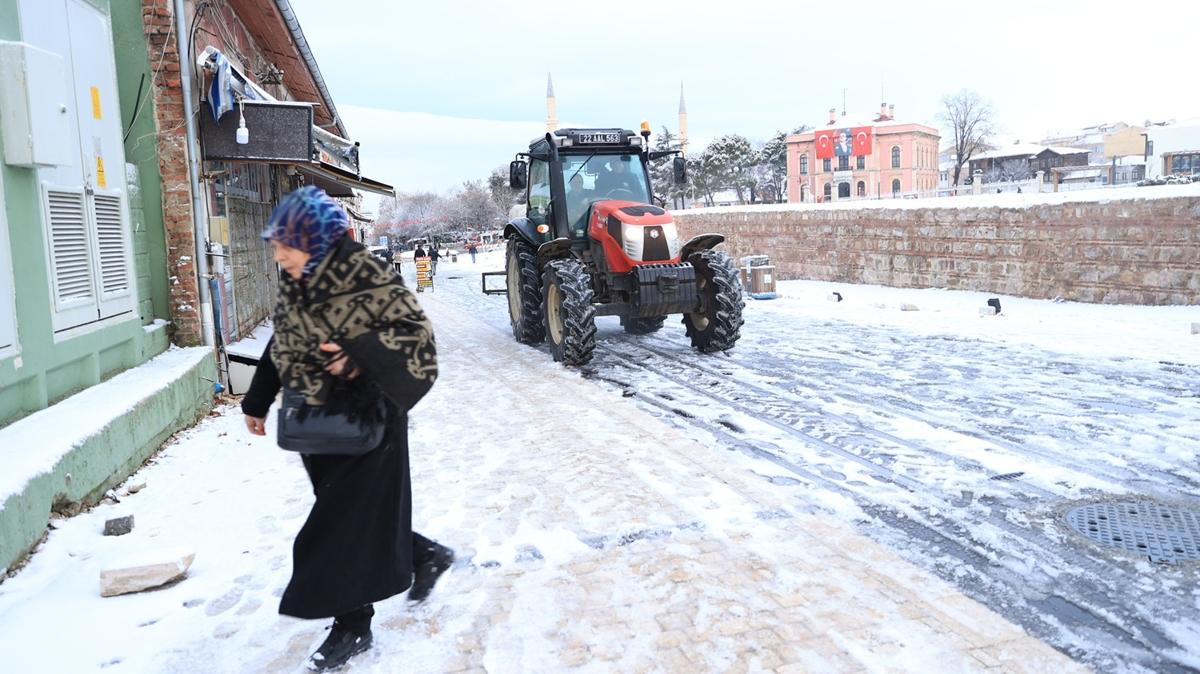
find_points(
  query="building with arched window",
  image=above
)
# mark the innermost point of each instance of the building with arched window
(869, 157)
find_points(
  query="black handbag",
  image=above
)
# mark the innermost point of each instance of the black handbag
(308, 429)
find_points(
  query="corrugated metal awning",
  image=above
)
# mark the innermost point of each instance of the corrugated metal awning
(355, 215)
(338, 182)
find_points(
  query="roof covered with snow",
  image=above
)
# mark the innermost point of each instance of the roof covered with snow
(1027, 150)
(848, 121)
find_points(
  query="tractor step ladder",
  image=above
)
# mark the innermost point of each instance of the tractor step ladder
(493, 291)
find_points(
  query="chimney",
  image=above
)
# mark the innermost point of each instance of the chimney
(891, 111)
(832, 115)
(883, 109)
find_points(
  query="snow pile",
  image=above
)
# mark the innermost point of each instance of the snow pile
(252, 345)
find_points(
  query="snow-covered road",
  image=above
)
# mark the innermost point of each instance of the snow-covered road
(959, 440)
(827, 497)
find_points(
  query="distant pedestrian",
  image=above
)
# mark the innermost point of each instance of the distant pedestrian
(434, 256)
(419, 252)
(357, 546)
(471, 248)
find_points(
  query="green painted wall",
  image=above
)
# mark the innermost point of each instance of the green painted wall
(102, 461)
(46, 371)
(141, 150)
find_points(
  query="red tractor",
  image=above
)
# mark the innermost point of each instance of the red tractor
(593, 244)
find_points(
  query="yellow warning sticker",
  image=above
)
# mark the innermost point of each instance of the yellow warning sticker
(96, 102)
(101, 181)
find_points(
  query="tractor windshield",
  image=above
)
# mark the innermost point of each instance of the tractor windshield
(597, 177)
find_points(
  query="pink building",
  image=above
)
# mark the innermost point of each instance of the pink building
(865, 157)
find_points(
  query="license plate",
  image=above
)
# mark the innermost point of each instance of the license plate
(599, 138)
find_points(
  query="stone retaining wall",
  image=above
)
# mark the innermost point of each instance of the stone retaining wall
(1128, 250)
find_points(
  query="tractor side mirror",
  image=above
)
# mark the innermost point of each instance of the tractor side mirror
(679, 166)
(516, 175)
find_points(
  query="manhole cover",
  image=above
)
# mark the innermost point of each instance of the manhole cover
(1162, 533)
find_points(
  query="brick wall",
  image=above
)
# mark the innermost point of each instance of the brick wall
(184, 298)
(1134, 251)
(219, 26)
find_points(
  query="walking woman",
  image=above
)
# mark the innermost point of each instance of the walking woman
(351, 346)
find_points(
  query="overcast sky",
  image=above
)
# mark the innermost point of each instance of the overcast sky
(442, 92)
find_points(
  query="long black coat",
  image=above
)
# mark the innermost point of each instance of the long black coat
(355, 548)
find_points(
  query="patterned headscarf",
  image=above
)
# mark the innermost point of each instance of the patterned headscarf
(310, 220)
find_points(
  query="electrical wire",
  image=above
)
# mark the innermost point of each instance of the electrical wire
(158, 68)
(137, 107)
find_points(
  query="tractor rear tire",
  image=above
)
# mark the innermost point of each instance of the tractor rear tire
(642, 325)
(717, 325)
(524, 284)
(570, 316)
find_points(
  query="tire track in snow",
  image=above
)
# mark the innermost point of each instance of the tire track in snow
(1114, 627)
(1096, 601)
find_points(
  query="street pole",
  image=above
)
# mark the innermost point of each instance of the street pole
(199, 220)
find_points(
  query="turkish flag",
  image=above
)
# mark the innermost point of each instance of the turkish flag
(824, 143)
(862, 140)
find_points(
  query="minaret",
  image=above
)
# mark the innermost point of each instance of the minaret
(683, 131)
(551, 107)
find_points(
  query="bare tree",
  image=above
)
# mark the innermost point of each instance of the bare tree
(969, 120)
(1007, 171)
(471, 209)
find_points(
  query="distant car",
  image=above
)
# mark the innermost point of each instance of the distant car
(381, 251)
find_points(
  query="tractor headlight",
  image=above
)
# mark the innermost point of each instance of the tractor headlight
(672, 236)
(632, 240)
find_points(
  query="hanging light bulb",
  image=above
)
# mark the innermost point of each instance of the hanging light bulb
(243, 134)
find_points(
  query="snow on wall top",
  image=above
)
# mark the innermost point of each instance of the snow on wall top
(985, 200)
(252, 345)
(34, 445)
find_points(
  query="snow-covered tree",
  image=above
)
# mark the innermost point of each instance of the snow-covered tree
(662, 171)
(1008, 171)
(470, 209)
(729, 162)
(773, 160)
(414, 215)
(502, 195)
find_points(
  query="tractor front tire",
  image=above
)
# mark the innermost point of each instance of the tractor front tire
(524, 284)
(642, 325)
(716, 326)
(570, 316)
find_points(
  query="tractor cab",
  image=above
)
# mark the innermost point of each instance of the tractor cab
(576, 168)
(593, 243)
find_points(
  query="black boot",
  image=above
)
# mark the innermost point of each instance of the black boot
(428, 567)
(349, 636)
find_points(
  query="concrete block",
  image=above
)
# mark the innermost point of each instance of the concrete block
(152, 570)
(118, 526)
(1196, 328)
(987, 311)
(834, 297)
(909, 307)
